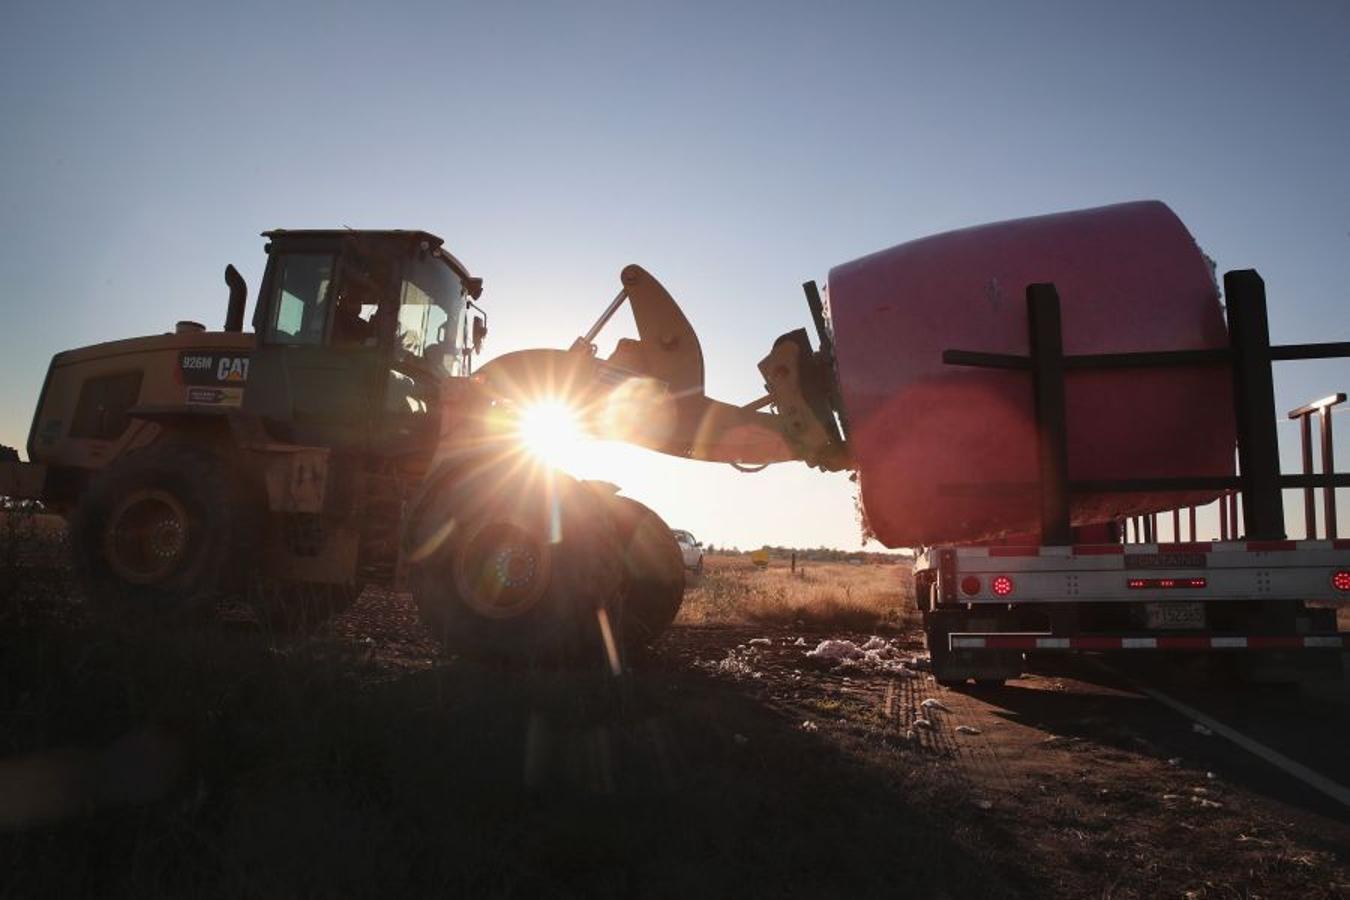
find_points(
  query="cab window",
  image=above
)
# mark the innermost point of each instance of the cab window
(430, 314)
(300, 302)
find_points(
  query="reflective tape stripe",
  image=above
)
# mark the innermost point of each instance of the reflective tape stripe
(995, 641)
(1275, 642)
(1043, 550)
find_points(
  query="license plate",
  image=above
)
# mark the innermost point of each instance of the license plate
(1175, 615)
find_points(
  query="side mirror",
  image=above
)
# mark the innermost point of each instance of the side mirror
(479, 332)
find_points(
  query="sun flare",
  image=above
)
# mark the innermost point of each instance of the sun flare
(551, 432)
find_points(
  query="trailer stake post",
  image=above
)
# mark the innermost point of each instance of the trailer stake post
(1328, 470)
(1047, 375)
(1254, 405)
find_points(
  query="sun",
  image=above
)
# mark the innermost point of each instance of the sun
(549, 430)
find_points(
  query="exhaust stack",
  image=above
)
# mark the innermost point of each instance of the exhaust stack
(234, 312)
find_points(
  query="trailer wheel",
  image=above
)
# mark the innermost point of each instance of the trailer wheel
(504, 568)
(298, 607)
(164, 532)
(653, 571)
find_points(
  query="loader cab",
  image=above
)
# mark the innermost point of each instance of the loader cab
(356, 331)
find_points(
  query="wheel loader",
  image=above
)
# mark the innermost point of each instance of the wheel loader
(346, 441)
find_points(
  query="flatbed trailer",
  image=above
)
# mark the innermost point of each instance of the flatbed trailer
(985, 607)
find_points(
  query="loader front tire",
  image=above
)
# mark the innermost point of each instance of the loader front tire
(164, 532)
(653, 571)
(528, 570)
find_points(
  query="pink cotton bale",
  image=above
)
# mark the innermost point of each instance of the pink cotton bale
(1130, 278)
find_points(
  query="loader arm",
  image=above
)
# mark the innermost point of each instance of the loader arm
(650, 391)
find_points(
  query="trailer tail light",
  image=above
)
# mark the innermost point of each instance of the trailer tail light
(1002, 585)
(1166, 584)
(1341, 580)
(970, 585)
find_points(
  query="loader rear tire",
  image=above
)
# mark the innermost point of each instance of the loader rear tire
(653, 571)
(529, 570)
(165, 532)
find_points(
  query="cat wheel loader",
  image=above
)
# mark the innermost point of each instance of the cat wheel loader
(346, 441)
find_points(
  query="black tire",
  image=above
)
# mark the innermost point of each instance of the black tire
(165, 532)
(287, 608)
(502, 565)
(653, 571)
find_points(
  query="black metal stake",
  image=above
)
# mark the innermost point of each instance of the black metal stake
(1254, 405)
(1047, 376)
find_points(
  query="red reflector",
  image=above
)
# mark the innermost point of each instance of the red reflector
(970, 585)
(1143, 584)
(1002, 585)
(1341, 580)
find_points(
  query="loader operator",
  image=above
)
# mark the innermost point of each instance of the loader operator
(354, 320)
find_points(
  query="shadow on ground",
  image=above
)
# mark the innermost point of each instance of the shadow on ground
(213, 763)
(1306, 722)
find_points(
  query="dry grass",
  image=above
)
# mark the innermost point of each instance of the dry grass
(733, 591)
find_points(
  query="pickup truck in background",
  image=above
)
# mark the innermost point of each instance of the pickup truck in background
(690, 549)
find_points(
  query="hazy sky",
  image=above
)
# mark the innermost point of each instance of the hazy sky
(735, 150)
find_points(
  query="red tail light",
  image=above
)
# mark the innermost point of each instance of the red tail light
(1341, 580)
(1002, 585)
(970, 585)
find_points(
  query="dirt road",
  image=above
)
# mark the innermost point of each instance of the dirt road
(1096, 788)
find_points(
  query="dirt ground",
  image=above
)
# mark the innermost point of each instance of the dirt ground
(726, 761)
